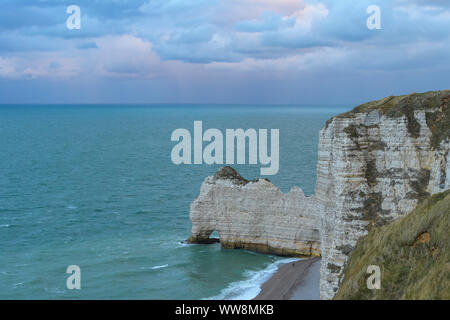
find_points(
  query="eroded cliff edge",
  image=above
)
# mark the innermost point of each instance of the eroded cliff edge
(375, 163)
(255, 215)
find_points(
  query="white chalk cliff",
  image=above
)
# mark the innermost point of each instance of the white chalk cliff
(375, 163)
(255, 215)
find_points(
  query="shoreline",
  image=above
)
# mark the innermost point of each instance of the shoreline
(293, 281)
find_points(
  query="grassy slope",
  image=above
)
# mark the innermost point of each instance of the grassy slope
(438, 122)
(412, 252)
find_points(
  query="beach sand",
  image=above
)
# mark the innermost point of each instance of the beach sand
(293, 281)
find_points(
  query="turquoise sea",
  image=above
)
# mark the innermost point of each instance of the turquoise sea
(94, 186)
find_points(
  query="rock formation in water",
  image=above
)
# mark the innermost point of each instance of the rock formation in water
(375, 163)
(255, 215)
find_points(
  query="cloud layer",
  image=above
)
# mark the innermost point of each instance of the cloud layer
(185, 45)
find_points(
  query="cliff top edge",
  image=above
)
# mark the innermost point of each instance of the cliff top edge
(397, 106)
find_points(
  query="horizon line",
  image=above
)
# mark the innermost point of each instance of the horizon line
(171, 104)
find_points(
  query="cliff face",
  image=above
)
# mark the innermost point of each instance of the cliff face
(375, 163)
(255, 215)
(413, 254)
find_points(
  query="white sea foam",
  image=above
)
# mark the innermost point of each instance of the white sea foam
(160, 267)
(55, 290)
(250, 287)
(182, 244)
(5, 225)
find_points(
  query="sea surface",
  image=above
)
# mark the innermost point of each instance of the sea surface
(94, 186)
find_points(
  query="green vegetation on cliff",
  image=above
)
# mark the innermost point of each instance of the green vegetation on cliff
(412, 252)
(436, 105)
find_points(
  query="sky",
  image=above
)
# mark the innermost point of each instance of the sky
(222, 51)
